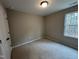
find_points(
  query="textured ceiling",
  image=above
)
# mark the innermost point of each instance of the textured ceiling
(33, 6)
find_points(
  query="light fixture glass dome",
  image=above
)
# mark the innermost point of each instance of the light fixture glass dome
(44, 4)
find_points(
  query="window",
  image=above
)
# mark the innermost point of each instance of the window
(71, 25)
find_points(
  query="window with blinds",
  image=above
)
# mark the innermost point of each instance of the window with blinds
(71, 25)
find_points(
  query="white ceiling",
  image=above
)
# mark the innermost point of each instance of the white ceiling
(33, 6)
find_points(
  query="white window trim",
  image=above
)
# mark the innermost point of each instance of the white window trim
(67, 35)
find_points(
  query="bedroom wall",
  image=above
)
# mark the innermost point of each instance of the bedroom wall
(24, 27)
(55, 28)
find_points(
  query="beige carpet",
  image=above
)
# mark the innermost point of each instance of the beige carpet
(44, 49)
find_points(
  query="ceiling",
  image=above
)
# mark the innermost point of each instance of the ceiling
(33, 6)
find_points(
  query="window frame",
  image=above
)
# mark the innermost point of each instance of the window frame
(65, 25)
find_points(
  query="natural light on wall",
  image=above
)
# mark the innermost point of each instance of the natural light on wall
(71, 25)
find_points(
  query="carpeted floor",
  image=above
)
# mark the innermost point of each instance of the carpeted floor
(44, 49)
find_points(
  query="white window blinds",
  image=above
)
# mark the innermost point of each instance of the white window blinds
(71, 25)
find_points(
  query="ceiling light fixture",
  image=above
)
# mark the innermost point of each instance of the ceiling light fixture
(44, 4)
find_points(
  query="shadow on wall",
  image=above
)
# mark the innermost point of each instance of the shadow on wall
(55, 28)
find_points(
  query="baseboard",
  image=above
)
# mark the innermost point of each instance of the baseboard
(61, 42)
(19, 45)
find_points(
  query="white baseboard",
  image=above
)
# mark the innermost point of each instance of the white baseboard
(24, 43)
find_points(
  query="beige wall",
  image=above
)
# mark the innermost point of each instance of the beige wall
(24, 27)
(55, 27)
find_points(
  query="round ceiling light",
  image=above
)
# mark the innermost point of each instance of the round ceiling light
(44, 4)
